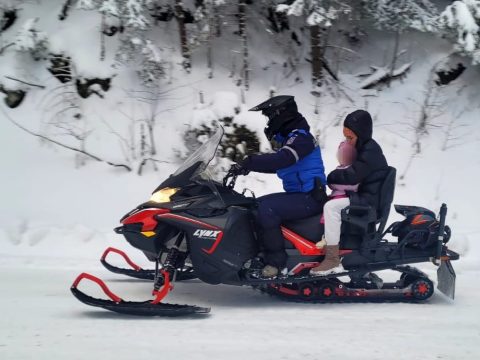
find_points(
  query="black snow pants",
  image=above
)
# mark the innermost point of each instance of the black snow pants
(275, 209)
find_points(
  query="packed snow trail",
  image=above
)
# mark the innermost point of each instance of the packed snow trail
(41, 318)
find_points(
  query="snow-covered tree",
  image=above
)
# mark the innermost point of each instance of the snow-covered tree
(400, 15)
(31, 40)
(11, 4)
(207, 23)
(318, 12)
(134, 14)
(135, 48)
(152, 67)
(462, 18)
(320, 15)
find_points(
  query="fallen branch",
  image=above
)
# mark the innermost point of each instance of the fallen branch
(382, 75)
(6, 47)
(94, 157)
(24, 82)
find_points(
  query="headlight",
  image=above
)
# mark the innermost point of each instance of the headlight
(163, 195)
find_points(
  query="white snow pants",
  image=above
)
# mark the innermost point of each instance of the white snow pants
(333, 219)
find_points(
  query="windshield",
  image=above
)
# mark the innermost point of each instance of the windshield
(197, 162)
(204, 154)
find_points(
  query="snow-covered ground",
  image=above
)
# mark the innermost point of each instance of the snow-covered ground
(55, 219)
(41, 320)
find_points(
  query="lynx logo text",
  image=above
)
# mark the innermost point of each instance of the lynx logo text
(206, 234)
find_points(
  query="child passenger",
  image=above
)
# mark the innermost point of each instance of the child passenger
(346, 155)
(367, 170)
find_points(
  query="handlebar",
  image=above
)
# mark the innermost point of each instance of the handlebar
(232, 177)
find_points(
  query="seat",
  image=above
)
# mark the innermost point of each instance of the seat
(362, 226)
(309, 228)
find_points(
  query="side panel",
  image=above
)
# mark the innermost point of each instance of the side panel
(218, 260)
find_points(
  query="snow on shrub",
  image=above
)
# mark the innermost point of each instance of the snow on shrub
(399, 15)
(31, 40)
(319, 12)
(238, 140)
(463, 19)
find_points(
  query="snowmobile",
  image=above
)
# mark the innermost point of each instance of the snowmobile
(196, 227)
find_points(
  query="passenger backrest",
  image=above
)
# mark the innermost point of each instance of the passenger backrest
(362, 226)
(387, 191)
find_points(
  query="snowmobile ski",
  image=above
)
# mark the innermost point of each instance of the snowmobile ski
(136, 271)
(142, 308)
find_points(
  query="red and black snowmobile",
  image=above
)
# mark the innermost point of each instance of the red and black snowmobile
(195, 227)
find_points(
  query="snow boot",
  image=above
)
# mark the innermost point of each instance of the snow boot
(269, 271)
(322, 243)
(331, 263)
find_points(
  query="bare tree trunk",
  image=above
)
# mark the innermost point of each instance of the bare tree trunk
(150, 127)
(183, 35)
(394, 57)
(143, 142)
(425, 120)
(102, 39)
(217, 20)
(243, 34)
(316, 52)
(421, 128)
(65, 9)
(209, 41)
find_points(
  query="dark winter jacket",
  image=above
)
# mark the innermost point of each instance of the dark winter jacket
(370, 167)
(298, 162)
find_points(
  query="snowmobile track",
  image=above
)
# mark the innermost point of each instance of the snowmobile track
(337, 299)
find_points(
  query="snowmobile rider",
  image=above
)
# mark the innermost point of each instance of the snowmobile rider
(369, 169)
(298, 163)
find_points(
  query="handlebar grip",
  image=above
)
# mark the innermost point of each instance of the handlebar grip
(233, 177)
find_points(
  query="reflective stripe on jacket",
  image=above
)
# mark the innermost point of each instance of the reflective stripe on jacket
(300, 177)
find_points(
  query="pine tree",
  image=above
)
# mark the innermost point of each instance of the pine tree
(462, 19)
(320, 15)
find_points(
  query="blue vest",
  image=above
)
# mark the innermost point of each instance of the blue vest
(300, 176)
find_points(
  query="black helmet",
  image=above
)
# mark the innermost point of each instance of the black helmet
(280, 110)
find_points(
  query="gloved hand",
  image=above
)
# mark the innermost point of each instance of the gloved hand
(238, 169)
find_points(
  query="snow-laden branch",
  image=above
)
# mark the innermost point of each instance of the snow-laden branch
(463, 19)
(382, 75)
